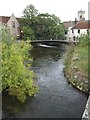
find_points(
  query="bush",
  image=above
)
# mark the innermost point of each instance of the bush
(17, 79)
(84, 40)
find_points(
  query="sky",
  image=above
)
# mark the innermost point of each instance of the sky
(65, 9)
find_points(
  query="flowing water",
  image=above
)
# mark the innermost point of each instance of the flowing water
(56, 98)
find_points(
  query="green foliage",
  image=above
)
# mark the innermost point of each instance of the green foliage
(84, 40)
(82, 50)
(28, 33)
(41, 26)
(49, 27)
(82, 62)
(17, 79)
(30, 11)
(78, 67)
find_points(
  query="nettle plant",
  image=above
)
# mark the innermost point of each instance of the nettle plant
(17, 78)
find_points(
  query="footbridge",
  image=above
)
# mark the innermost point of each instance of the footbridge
(52, 42)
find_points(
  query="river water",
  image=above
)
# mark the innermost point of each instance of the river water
(56, 98)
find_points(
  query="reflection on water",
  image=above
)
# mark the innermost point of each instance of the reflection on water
(11, 105)
(56, 98)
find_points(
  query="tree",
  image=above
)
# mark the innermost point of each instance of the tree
(27, 22)
(49, 27)
(30, 12)
(41, 26)
(28, 33)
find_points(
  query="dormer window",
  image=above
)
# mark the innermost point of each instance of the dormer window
(13, 24)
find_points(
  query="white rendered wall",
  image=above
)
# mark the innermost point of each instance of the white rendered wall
(75, 33)
(82, 31)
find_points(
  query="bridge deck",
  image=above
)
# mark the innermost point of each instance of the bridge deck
(59, 41)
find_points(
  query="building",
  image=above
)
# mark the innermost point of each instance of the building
(68, 25)
(75, 28)
(81, 27)
(12, 24)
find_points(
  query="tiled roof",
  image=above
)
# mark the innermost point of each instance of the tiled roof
(68, 24)
(4, 19)
(82, 25)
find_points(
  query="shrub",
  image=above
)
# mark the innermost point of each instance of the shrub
(84, 40)
(17, 78)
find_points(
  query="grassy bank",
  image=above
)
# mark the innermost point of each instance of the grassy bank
(76, 66)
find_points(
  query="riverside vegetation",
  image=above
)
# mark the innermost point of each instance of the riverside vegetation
(76, 65)
(17, 78)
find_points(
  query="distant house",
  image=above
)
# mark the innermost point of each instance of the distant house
(81, 27)
(68, 25)
(75, 28)
(12, 23)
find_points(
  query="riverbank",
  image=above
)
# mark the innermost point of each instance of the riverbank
(76, 67)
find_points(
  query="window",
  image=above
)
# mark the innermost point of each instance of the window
(80, 16)
(74, 38)
(13, 24)
(87, 31)
(65, 32)
(78, 31)
(72, 31)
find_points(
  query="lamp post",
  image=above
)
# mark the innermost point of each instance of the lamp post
(21, 35)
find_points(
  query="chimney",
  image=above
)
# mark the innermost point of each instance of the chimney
(75, 20)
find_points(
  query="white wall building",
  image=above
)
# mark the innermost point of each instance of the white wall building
(77, 27)
(82, 27)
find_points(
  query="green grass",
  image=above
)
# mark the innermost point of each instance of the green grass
(82, 62)
(78, 67)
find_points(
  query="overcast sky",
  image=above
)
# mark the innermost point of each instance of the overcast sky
(65, 9)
